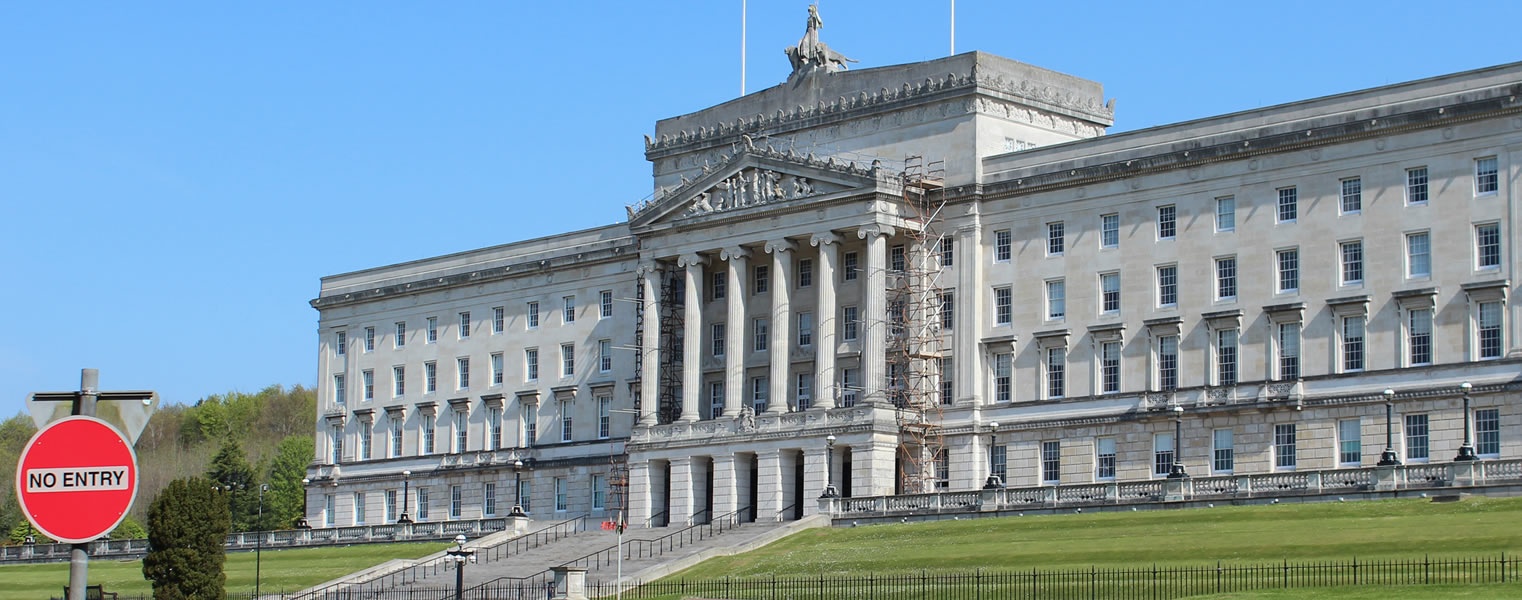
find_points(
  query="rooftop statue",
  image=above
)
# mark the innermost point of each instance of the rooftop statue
(810, 53)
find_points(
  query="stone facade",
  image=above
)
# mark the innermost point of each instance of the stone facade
(1262, 276)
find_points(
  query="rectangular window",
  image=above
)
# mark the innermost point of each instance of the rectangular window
(896, 258)
(942, 470)
(1352, 262)
(1167, 222)
(946, 248)
(1289, 350)
(1167, 362)
(1289, 205)
(1419, 337)
(1167, 286)
(496, 369)
(1487, 432)
(526, 496)
(1162, 453)
(461, 432)
(1109, 288)
(1056, 369)
(1416, 438)
(465, 325)
(715, 399)
(336, 443)
(462, 372)
(400, 339)
(498, 319)
(718, 284)
(430, 377)
(1284, 446)
(359, 508)
(567, 360)
(433, 330)
(568, 314)
(1226, 357)
(1055, 234)
(759, 277)
(1352, 344)
(565, 422)
(340, 395)
(493, 428)
(1056, 299)
(947, 309)
(943, 369)
(340, 343)
(1349, 443)
(717, 347)
(1109, 231)
(1001, 245)
(456, 500)
(364, 442)
(804, 391)
(1051, 462)
(759, 334)
(805, 329)
(758, 391)
(1104, 458)
(848, 267)
(1003, 387)
(605, 304)
(998, 462)
(805, 272)
(850, 384)
(848, 323)
(368, 377)
(530, 414)
(1352, 196)
(604, 417)
(1002, 307)
(1109, 367)
(1487, 245)
(1226, 213)
(369, 339)
(1223, 451)
(422, 503)
(533, 315)
(1485, 176)
(396, 438)
(1289, 270)
(428, 435)
(1226, 278)
(489, 499)
(599, 492)
(1490, 330)
(605, 356)
(1418, 255)
(1416, 185)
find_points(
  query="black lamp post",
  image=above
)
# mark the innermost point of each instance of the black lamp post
(517, 490)
(406, 490)
(259, 544)
(460, 556)
(1466, 451)
(1176, 470)
(1388, 458)
(302, 523)
(993, 482)
(829, 468)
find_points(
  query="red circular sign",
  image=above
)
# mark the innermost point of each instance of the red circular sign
(76, 479)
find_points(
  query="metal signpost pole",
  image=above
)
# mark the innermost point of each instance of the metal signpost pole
(79, 554)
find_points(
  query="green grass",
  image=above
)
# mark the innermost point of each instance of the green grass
(289, 570)
(1486, 591)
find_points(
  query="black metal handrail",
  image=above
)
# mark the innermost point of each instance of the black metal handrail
(790, 507)
(535, 539)
(650, 522)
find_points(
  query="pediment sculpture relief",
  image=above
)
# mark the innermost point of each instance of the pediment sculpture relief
(752, 187)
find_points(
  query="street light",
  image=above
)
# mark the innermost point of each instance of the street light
(517, 490)
(993, 482)
(1176, 471)
(1388, 458)
(460, 556)
(259, 544)
(302, 523)
(406, 491)
(829, 468)
(1466, 451)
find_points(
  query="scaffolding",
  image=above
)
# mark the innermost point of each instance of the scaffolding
(915, 356)
(672, 305)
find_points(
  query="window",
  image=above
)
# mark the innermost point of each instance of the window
(533, 315)
(1104, 458)
(465, 325)
(998, 462)
(340, 343)
(1167, 362)
(339, 393)
(1109, 288)
(1002, 308)
(428, 435)
(850, 383)
(1349, 443)
(1352, 262)
(493, 428)
(605, 304)
(1352, 196)
(498, 319)
(1109, 367)
(400, 339)
(1223, 451)
(567, 360)
(462, 371)
(526, 495)
(605, 356)
(1056, 299)
(759, 334)
(496, 369)
(758, 394)
(1167, 222)
(804, 391)
(1352, 344)
(1056, 367)
(568, 313)
(943, 368)
(848, 270)
(848, 323)
(1109, 231)
(1162, 453)
(1226, 213)
(1490, 330)
(365, 436)
(1226, 357)
(461, 432)
(805, 272)
(1289, 270)
(433, 330)
(715, 399)
(947, 310)
(422, 503)
(398, 381)
(336, 443)
(1419, 337)
(1167, 286)
(565, 421)
(1485, 180)
(1226, 278)
(456, 499)
(430, 377)
(1001, 245)
(805, 329)
(390, 506)
(896, 258)
(530, 423)
(1416, 185)
(1289, 205)
(1487, 432)
(1055, 233)
(1418, 255)
(359, 508)
(759, 278)
(947, 250)
(717, 346)
(1416, 438)
(1289, 350)
(718, 283)
(369, 339)
(1051, 462)
(489, 499)
(368, 377)
(531, 364)
(1284, 446)
(1002, 384)
(1487, 245)
(395, 449)
(942, 469)
(599, 492)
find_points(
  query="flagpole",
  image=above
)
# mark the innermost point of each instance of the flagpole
(953, 27)
(742, 47)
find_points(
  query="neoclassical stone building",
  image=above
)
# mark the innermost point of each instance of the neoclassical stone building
(738, 342)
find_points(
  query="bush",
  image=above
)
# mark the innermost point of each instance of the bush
(187, 525)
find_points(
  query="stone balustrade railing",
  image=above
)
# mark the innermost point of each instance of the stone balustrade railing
(1221, 487)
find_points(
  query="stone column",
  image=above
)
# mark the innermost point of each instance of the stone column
(726, 498)
(639, 493)
(874, 337)
(768, 484)
(873, 469)
(967, 357)
(692, 335)
(735, 328)
(824, 338)
(813, 477)
(681, 491)
(570, 583)
(650, 346)
(781, 286)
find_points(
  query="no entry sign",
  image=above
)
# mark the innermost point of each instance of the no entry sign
(76, 479)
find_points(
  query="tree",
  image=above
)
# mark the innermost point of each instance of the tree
(24, 529)
(282, 504)
(230, 471)
(15, 432)
(129, 529)
(187, 526)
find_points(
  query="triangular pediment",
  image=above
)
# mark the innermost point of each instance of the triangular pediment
(753, 180)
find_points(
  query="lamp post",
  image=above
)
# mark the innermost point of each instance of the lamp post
(1466, 451)
(1388, 458)
(460, 556)
(829, 468)
(259, 544)
(1176, 471)
(406, 491)
(993, 482)
(517, 489)
(302, 523)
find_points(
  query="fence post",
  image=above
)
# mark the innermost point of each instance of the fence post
(1093, 582)
(1426, 569)
(1286, 573)
(922, 583)
(1218, 577)
(1503, 567)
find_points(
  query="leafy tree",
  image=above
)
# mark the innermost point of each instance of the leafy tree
(15, 432)
(187, 525)
(129, 529)
(282, 504)
(23, 529)
(230, 471)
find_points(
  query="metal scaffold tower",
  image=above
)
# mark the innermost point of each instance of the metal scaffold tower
(915, 344)
(672, 303)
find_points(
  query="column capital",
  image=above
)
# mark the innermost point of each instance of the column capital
(875, 229)
(821, 239)
(647, 267)
(680, 460)
(734, 252)
(780, 245)
(690, 259)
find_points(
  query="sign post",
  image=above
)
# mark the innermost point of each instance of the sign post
(77, 477)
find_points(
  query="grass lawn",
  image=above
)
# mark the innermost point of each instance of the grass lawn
(290, 570)
(1499, 591)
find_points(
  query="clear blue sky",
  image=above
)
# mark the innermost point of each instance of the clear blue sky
(175, 177)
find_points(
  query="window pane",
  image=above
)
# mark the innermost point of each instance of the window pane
(1418, 255)
(1352, 195)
